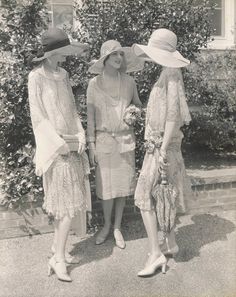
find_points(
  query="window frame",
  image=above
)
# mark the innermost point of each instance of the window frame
(51, 4)
(228, 39)
(222, 9)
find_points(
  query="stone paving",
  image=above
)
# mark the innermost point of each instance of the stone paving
(204, 267)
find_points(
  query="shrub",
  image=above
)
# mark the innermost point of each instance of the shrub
(210, 84)
(128, 21)
(21, 25)
(133, 22)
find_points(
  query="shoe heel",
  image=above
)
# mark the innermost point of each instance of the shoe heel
(163, 268)
(50, 270)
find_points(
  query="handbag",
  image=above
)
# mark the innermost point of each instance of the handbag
(72, 141)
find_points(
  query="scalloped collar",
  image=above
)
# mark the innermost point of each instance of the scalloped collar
(60, 75)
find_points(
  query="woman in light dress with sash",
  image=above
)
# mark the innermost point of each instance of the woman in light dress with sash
(53, 114)
(111, 140)
(167, 112)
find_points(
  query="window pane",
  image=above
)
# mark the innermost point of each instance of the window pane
(62, 15)
(218, 3)
(217, 22)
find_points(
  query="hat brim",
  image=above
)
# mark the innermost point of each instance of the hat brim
(159, 56)
(75, 48)
(131, 63)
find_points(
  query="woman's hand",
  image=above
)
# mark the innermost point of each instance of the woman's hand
(163, 163)
(64, 150)
(163, 159)
(81, 148)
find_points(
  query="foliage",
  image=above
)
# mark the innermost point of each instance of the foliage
(210, 83)
(128, 21)
(133, 22)
(21, 24)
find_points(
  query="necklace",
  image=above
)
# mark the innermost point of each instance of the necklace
(113, 99)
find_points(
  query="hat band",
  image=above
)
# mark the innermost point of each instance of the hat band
(163, 45)
(55, 45)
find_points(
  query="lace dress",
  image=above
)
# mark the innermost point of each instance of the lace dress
(167, 102)
(53, 113)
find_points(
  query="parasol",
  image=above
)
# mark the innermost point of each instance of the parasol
(165, 195)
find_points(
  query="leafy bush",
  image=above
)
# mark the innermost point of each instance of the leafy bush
(133, 22)
(210, 84)
(127, 21)
(21, 25)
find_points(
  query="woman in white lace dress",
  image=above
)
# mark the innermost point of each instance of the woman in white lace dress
(54, 116)
(167, 112)
(111, 140)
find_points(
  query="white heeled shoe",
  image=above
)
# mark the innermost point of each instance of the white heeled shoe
(150, 269)
(59, 267)
(120, 243)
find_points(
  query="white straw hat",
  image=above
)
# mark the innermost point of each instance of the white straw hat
(161, 49)
(130, 63)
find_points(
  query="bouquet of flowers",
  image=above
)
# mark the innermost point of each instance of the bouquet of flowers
(132, 115)
(152, 143)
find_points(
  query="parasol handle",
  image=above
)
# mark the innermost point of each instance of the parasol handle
(163, 173)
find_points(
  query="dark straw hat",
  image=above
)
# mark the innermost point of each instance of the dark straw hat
(56, 41)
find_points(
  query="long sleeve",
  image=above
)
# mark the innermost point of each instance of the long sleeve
(37, 111)
(81, 132)
(90, 113)
(48, 142)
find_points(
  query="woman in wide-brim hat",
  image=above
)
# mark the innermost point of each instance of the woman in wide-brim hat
(54, 118)
(111, 140)
(167, 112)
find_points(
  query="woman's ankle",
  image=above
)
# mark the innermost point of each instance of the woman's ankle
(59, 258)
(107, 226)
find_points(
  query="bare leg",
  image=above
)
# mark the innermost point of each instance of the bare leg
(171, 239)
(54, 244)
(150, 223)
(62, 235)
(57, 262)
(170, 246)
(119, 208)
(120, 204)
(107, 210)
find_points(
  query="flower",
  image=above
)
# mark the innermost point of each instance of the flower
(152, 143)
(131, 115)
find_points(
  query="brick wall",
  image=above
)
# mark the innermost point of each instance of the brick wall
(213, 190)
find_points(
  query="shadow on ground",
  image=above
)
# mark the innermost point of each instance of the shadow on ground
(88, 251)
(206, 228)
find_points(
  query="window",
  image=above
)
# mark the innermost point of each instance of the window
(61, 13)
(3, 3)
(218, 18)
(223, 21)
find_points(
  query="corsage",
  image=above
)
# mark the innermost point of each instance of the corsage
(132, 114)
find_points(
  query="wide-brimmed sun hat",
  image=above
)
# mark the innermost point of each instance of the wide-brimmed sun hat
(130, 63)
(161, 49)
(55, 41)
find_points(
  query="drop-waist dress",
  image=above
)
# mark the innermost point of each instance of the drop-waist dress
(114, 139)
(167, 102)
(53, 114)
